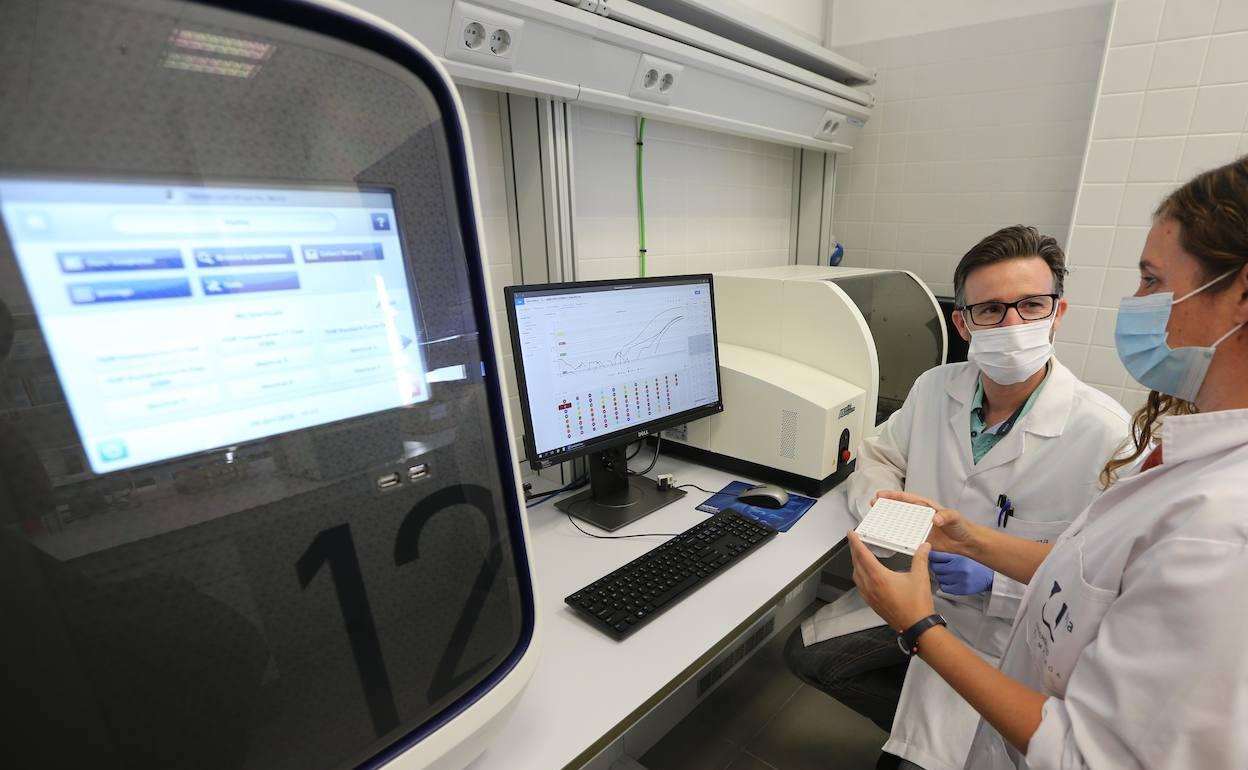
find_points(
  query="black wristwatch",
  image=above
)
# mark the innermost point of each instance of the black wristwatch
(908, 640)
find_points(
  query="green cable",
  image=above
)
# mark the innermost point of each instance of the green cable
(641, 200)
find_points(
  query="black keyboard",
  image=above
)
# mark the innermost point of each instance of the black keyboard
(628, 598)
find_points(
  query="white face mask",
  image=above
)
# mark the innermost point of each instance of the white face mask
(1010, 354)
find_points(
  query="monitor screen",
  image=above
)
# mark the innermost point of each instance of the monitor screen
(611, 359)
(185, 318)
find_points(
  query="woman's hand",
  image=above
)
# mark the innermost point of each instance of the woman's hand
(901, 598)
(951, 532)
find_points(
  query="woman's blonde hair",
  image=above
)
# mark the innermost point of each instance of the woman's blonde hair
(1212, 213)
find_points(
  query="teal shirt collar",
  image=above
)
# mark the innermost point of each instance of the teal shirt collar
(984, 439)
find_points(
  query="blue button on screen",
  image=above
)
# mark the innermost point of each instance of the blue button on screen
(112, 451)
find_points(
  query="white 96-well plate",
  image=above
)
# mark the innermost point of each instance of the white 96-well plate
(896, 526)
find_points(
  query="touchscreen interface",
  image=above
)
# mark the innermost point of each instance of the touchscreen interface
(184, 318)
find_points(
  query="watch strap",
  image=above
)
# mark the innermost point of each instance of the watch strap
(908, 640)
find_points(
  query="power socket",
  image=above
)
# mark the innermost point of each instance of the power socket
(483, 36)
(656, 79)
(830, 126)
(595, 6)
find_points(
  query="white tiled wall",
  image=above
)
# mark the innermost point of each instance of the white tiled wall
(1173, 102)
(713, 201)
(485, 130)
(977, 127)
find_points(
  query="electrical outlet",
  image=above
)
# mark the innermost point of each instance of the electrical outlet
(830, 126)
(474, 35)
(500, 42)
(483, 36)
(595, 6)
(656, 79)
(678, 433)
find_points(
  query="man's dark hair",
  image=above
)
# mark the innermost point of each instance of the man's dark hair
(1014, 242)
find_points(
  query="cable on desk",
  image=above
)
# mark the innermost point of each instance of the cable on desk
(621, 537)
(695, 486)
(658, 444)
(583, 480)
(534, 501)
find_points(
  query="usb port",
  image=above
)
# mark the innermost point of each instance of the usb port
(388, 480)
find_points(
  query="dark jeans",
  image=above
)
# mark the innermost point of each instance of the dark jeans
(863, 670)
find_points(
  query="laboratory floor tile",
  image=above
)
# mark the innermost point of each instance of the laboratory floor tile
(687, 747)
(747, 762)
(764, 718)
(814, 732)
(747, 700)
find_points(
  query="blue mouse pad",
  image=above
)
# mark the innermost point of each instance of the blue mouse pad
(779, 519)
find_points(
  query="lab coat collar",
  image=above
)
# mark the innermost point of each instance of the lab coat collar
(1048, 415)
(1193, 436)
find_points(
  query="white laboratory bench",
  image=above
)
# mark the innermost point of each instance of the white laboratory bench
(589, 689)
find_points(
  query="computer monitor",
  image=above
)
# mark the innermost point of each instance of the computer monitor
(602, 364)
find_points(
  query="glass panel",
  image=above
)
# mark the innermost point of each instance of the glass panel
(906, 328)
(253, 512)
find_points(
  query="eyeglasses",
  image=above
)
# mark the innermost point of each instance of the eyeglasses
(1035, 308)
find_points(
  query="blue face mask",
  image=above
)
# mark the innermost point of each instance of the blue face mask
(1140, 336)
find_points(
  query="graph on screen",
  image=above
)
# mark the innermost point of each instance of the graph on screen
(617, 345)
(601, 361)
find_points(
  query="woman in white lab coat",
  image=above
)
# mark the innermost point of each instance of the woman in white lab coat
(1130, 648)
(1048, 468)
(1046, 462)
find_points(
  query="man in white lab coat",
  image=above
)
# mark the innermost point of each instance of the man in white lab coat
(1012, 439)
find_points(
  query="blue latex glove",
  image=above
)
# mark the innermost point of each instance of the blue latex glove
(960, 575)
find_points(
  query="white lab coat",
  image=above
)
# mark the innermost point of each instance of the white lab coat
(1136, 625)
(1048, 465)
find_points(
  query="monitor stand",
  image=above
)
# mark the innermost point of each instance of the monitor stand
(615, 498)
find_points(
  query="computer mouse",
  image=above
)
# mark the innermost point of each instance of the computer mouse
(765, 496)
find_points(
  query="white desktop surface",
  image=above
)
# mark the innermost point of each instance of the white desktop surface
(589, 688)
